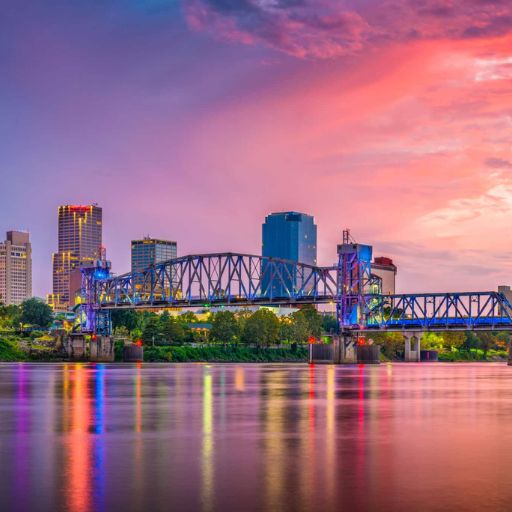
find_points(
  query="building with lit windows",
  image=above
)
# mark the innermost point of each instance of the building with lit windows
(149, 251)
(79, 241)
(290, 236)
(15, 268)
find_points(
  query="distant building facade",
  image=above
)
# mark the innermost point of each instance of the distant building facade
(15, 268)
(80, 230)
(386, 270)
(291, 236)
(150, 251)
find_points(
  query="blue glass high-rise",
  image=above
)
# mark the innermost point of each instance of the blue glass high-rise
(291, 236)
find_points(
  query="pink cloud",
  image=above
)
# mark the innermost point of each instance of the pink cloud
(404, 145)
(329, 28)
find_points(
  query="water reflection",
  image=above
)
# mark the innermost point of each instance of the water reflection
(273, 422)
(254, 437)
(207, 444)
(79, 450)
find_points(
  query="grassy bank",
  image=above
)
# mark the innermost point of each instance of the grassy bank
(10, 351)
(473, 355)
(238, 354)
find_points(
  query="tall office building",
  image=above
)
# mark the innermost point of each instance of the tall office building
(79, 241)
(15, 268)
(149, 251)
(290, 236)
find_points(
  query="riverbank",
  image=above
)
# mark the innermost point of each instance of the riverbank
(235, 354)
(12, 349)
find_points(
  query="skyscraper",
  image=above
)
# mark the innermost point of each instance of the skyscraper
(290, 236)
(150, 251)
(15, 268)
(79, 241)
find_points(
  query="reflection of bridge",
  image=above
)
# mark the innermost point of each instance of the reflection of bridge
(229, 279)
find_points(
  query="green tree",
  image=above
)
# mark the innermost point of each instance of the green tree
(122, 332)
(453, 339)
(313, 319)
(329, 323)
(225, 327)
(300, 327)
(432, 341)
(486, 341)
(471, 340)
(36, 312)
(262, 328)
(128, 318)
(286, 328)
(188, 318)
(151, 331)
(10, 316)
(172, 331)
(502, 339)
(391, 343)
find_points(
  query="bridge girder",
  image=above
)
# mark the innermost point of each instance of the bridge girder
(230, 279)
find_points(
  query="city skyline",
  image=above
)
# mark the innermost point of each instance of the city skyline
(347, 117)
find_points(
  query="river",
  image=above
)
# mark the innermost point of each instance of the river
(254, 437)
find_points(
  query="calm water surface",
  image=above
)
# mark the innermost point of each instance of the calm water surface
(228, 437)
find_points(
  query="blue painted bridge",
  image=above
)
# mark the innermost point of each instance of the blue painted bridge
(229, 279)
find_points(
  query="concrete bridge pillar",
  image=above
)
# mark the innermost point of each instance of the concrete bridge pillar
(412, 347)
(345, 349)
(75, 347)
(102, 349)
(510, 353)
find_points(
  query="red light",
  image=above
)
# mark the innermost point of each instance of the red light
(311, 340)
(94, 337)
(78, 208)
(138, 343)
(361, 341)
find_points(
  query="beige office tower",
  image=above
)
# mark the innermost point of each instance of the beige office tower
(80, 238)
(15, 268)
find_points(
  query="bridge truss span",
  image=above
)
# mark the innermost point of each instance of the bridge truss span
(229, 279)
(224, 279)
(439, 311)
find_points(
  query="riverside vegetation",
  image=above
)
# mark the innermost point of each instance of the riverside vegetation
(242, 336)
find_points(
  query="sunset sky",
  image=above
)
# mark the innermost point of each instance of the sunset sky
(191, 120)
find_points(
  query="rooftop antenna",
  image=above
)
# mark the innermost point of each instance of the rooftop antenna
(347, 237)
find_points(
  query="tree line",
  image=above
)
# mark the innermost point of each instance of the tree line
(392, 343)
(32, 312)
(262, 327)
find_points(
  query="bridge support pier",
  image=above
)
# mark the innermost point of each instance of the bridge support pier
(509, 353)
(102, 349)
(344, 349)
(75, 347)
(412, 347)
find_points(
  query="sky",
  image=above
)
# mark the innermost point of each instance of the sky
(191, 120)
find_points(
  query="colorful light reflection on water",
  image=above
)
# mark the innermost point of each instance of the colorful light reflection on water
(79, 438)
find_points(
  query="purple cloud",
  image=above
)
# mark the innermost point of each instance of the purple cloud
(329, 28)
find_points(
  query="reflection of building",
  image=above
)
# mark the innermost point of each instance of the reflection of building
(386, 270)
(151, 251)
(289, 236)
(79, 241)
(15, 268)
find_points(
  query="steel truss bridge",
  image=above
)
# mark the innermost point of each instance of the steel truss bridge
(228, 279)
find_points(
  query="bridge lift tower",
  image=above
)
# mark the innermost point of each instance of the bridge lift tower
(355, 281)
(93, 319)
